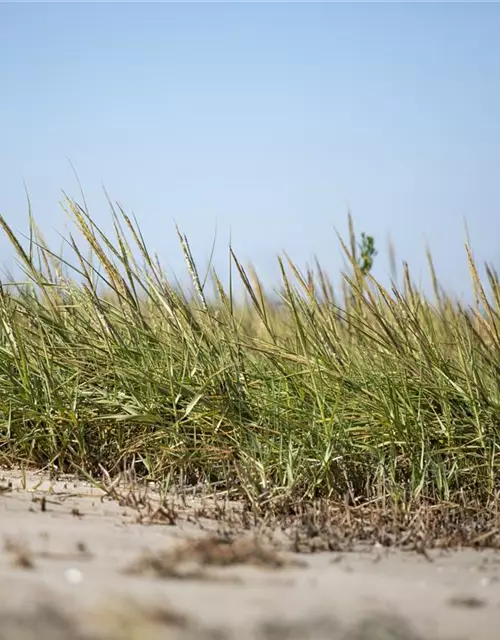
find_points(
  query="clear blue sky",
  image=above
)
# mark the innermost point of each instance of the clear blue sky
(267, 120)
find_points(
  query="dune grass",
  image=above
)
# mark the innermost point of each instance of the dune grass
(353, 394)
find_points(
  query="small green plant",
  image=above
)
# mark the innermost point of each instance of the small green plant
(367, 253)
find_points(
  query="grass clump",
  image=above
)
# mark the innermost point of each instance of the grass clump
(355, 394)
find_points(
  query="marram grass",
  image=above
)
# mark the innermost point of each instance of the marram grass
(355, 394)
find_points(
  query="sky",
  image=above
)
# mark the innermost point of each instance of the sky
(259, 124)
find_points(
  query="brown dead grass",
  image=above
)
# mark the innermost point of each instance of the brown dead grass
(323, 526)
(191, 559)
(310, 526)
(21, 555)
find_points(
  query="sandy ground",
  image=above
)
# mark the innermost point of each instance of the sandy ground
(75, 564)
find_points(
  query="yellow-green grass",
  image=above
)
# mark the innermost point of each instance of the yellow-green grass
(355, 394)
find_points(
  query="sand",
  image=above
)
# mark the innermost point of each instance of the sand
(76, 564)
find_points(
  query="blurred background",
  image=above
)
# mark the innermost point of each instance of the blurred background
(259, 124)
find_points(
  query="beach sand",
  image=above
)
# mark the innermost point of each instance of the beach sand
(77, 564)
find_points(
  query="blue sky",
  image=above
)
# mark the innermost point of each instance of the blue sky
(266, 121)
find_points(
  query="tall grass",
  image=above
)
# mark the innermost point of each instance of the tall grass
(353, 394)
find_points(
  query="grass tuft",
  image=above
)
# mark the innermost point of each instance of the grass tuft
(356, 393)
